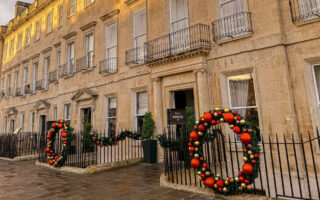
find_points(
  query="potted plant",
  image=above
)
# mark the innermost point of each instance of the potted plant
(148, 144)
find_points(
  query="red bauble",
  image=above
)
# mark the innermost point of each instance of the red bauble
(238, 118)
(228, 117)
(207, 117)
(220, 183)
(64, 142)
(235, 112)
(213, 122)
(195, 163)
(247, 169)
(240, 173)
(250, 131)
(60, 126)
(190, 144)
(48, 150)
(203, 176)
(236, 129)
(205, 165)
(194, 136)
(51, 131)
(245, 138)
(219, 112)
(201, 158)
(54, 125)
(64, 134)
(256, 156)
(241, 179)
(209, 182)
(51, 162)
(56, 158)
(246, 181)
(253, 161)
(48, 136)
(201, 127)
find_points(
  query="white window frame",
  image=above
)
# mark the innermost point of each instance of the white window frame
(177, 20)
(28, 36)
(5, 121)
(46, 72)
(58, 63)
(109, 48)
(5, 51)
(135, 37)
(25, 78)
(38, 29)
(22, 121)
(86, 3)
(65, 113)
(136, 115)
(89, 52)
(35, 76)
(72, 5)
(50, 22)
(315, 83)
(60, 12)
(19, 45)
(12, 47)
(107, 113)
(70, 57)
(9, 84)
(16, 79)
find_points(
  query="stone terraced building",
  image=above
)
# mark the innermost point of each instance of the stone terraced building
(109, 61)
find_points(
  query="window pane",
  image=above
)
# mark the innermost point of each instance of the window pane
(142, 103)
(112, 127)
(112, 111)
(317, 79)
(241, 91)
(139, 124)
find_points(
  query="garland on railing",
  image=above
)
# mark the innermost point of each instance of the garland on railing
(180, 144)
(113, 140)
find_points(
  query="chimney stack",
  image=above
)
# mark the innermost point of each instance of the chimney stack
(20, 7)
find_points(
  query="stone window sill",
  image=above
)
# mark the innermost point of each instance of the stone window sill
(245, 35)
(307, 21)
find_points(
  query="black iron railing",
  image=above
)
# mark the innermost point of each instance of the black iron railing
(108, 66)
(1, 94)
(8, 92)
(28, 89)
(67, 68)
(22, 144)
(289, 165)
(232, 26)
(53, 76)
(84, 152)
(17, 92)
(196, 37)
(85, 63)
(40, 85)
(136, 56)
(302, 10)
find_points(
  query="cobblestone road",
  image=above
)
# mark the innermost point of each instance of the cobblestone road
(23, 180)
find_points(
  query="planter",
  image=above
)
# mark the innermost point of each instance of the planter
(150, 151)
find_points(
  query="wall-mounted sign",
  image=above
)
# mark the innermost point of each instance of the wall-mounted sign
(176, 116)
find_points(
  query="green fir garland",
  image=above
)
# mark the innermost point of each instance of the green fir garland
(113, 140)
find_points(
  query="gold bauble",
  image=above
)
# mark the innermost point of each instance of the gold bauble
(200, 133)
(236, 179)
(249, 152)
(207, 173)
(199, 172)
(251, 157)
(231, 125)
(217, 109)
(237, 122)
(216, 178)
(196, 155)
(221, 120)
(215, 114)
(218, 175)
(242, 121)
(245, 159)
(225, 190)
(189, 148)
(226, 182)
(197, 122)
(249, 187)
(196, 149)
(243, 185)
(215, 186)
(197, 143)
(201, 116)
(226, 110)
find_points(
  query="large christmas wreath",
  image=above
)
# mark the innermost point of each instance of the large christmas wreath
(58, 159)
(113, 140)
(249, 138)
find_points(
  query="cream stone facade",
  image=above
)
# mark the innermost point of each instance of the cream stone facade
(187, 46)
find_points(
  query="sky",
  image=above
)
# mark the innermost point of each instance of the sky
(7, 10)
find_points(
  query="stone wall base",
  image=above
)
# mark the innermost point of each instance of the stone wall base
(20, 158)
(93, 168)
(206, 191)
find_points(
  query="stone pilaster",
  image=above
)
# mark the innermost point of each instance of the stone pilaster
(203, 90)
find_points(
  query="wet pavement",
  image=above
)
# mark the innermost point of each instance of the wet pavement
(24, 180)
